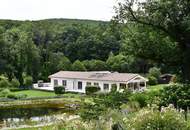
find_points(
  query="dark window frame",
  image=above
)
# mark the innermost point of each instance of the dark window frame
(79, 85)
(106, 86)
(64, 82)
(55, 82)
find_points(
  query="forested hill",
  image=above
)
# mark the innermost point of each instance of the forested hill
(40, 48)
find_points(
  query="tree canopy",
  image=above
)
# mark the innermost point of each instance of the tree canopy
(168, 21)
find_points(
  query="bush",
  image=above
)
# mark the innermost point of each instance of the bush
(4, 83)
(16, 96)
(92, 89)
(141, 98)
(152, 80)
(113, 87)
(28, 81)
(150, 119)
(21, 96)
(15, 83)
(4, 92)
(59, 90)
(154, 72)
(176, 94)
(11, 96)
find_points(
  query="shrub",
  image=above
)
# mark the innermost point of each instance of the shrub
(113, 87)
(15, 83)
(59, 90)
(141, 98)
(11, 96)
(16, 96)
(4, 83)
(177, 94)
(154, 72)
(4, 92)
(152, 80)
(149, 119)
(21, 96)
(92, 89)
(28, 81)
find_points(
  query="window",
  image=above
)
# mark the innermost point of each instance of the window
(96, 84)
(80, 85)
(55, 82)
(106, 87)
(64, 82)
(88, 83)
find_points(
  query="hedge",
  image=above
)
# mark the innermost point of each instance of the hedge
(92, 89)
(59, 90)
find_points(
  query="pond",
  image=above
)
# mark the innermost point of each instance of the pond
(33, 116)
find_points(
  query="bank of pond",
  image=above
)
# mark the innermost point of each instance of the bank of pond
(36, 112)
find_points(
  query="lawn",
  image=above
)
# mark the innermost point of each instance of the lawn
(156, 87)
(38, 128)
(36, 93)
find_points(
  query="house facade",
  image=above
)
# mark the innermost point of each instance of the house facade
(75, 81)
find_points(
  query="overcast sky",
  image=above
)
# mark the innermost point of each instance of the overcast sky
(43, 9)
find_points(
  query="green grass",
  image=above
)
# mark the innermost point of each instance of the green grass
(38, 128)
(36, 93)
(156, 87)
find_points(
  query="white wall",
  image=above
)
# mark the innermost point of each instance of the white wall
(72, 84)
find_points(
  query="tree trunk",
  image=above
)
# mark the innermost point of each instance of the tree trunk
(186, 64)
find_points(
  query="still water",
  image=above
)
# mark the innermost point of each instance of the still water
(18, 117)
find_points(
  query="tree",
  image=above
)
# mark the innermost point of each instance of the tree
(15, 83)
(154, 72)
(65, 64)
(170, 18)
(24, 52)
(120, 63)
(28, 80)
(95, 65)
(176, 94)
(78, 66)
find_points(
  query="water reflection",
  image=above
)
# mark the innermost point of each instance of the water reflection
(16, 117)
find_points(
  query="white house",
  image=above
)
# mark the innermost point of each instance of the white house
(75, 81)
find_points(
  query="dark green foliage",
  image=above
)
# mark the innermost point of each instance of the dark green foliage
(28, 81)
(101, 104)
(4, 92)
(176, 94)
(152, 80)
(120, 63)
(15, 83)
(59, 90)
(92, 89)
(16, 96)
(78, 66)
(113, 87)
(141, 98)
(4, 83)
(95, 65)
(40, 48)
(161, 31)
(154, 72)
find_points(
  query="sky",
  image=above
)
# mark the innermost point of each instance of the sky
(44, 9)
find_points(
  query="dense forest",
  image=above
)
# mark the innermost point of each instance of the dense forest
(40, 48)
